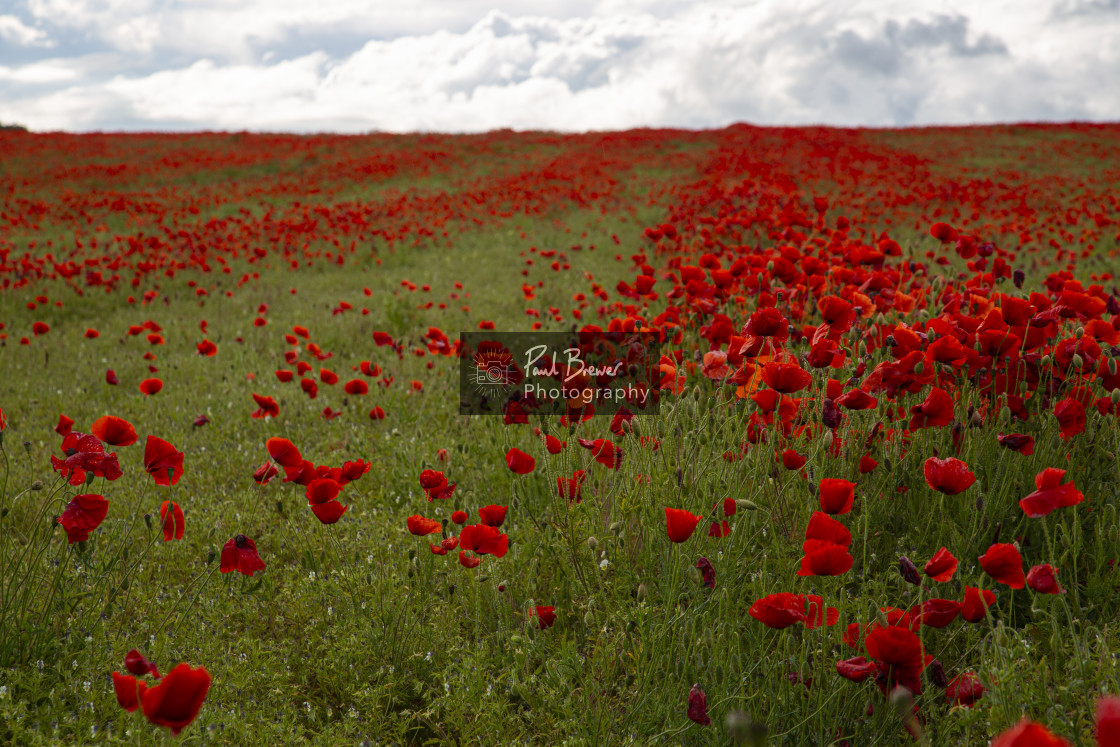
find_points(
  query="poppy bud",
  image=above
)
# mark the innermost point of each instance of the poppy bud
(746, 505)
(1112, 368)
(412, 553)
(1045, 361)
(589, 618)
(593, 544)
(1115, 396)
(643, 592)
(1005, 414)
(1018, 277)
(1077, 361)
(148, 521)
(826, 440)
(902, 700)
(616, 527)
(211, 557)
(909, 571)
(936, 673)
(27, 448)
(37, 485)
(831, 415)
(1080, 332)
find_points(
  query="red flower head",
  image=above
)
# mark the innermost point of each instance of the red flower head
(707, 572)
(1028, 734)
(1041, 579)
(786, 378)
(492, 516)
(356, 387)
(64, 427)
(941, 566)
(265, 473)
(111, 378)
(698, 706)
(240, 554)
(824, 559)
(792, 460)
(976, 603)
(163, 462)
(1108, 721)
(837, 495)
(949, 476)
(459, 517)
(85, 453)
(938, 613)
(435, 485)
(554, 445)
(1019, 442)
(520, 462)
(1071, 417)
(207, 348)
(136, 664)
(149, 387)
(284, 452)
(266, 407)
(1052, 493)
(173, 521)
(484, 540)
(823, 528)
(935, 411)
(128, 690)
(467, 561)
(353, 470)
(329, 512)
(965, 690)
(779, 610)
(176, 700)
(322, 490)
(570, 487)
(1003, 562)
(857, 669)
(113, 431)
(901, 651)
(420, 526)
(544, 617)
(680, 524)
(603, 451)
(82, 515)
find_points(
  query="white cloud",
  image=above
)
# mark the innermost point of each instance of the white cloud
(15, 31)
(287, 65)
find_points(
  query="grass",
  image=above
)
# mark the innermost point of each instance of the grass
(356, 633)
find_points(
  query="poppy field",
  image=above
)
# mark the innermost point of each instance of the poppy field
(871, 496)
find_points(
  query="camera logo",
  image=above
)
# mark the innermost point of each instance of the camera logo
(494, 368)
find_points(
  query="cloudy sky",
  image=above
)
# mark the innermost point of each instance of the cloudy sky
(466, 65)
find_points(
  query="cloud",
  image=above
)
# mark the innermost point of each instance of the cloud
(15, 31)
(574, 66)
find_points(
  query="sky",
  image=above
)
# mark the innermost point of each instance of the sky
(566, 65)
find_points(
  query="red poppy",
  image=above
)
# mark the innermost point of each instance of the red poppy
(1051, 494)
(817, 614)
(40, 328)
(1029, 734)
(719, 529)
(823, 528)
(484, 540)
(1071, 417)
(467, 561)
(824, 559)
(779, 610)
(420, 526)
(370, 369)
(173, 521)
(866, 464)
(603, 451)
(1019, 442)
(544, 617)
(856, 399)
(1041, 579)
(207, 349)
(136, 664)
(150, 386)
(322, 490)
(707, 572)
(328, 512)
(459, 517)
(571, 487)
(520, 462)
(554, 445)
(284, 452)
(82, 515)
(901, 650)
(200, 421)
(284, 376)
(163, 461)
(85, 453)
(240, 554)
(64, 427)
(941, 566)
(356, 387)
(792, 460)
(949, 476)
(1108, 721)
(836, 495)
(857, 669)
(786, 378)
(377, 413)
(935, 411)
(698, 706)
(976, 603)
(328, 377)
(111, 377)
(128, 689)
(266, 407)
(965, 690)
(176, 700)
(113, 430)
(492, 516)
(353, 470)
(680, 524)
(435, 485)
(938, 613)
(1003, 562)
(943, 232)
